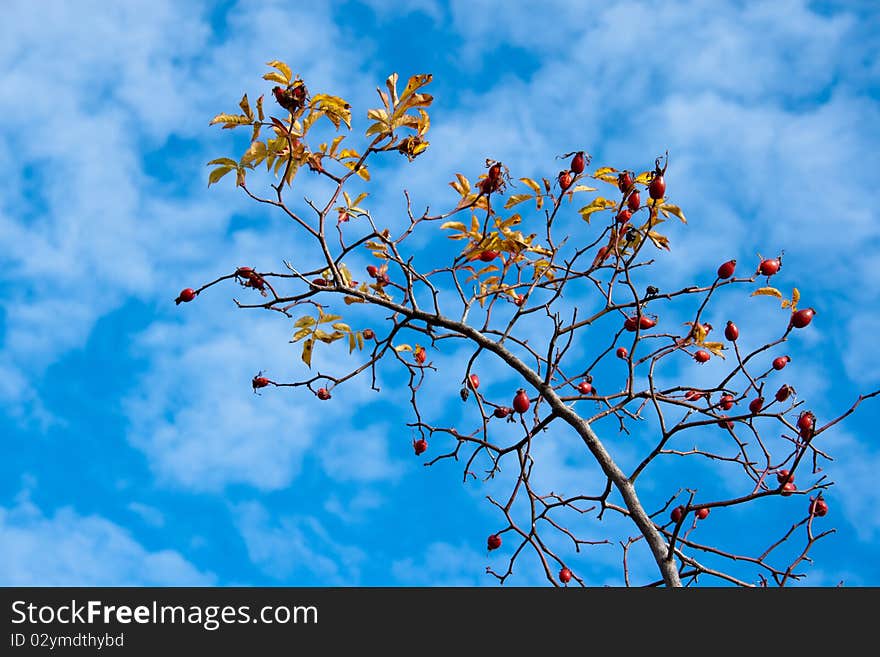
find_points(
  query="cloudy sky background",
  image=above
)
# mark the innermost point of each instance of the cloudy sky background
(133, 451)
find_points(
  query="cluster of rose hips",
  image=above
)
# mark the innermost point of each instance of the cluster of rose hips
(578, 164)
(678, 513)
(247, 277)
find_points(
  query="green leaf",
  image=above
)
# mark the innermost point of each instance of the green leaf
(218, 173)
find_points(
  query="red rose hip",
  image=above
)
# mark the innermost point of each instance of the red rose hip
(731, 332)
(493, 542)
(780, 362)
(521, 401)
(702, 356)
(770, 266)
(323, 394)
(818, 507)
(622, 353)
(420, 446)
(186, 295)
(802, 318)
(726, 402)
(703, 513)
(565, 574)
(726, 270)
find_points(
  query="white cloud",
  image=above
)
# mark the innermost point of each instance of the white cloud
(293, 547)
(443, 564)
(69, 549)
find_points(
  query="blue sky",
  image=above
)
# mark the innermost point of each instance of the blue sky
(133, 451)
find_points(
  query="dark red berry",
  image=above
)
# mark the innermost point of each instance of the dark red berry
(420, 446)
(631, 323)
(806, 421)
(495, 172)
(770, 266)
(780, 362)
(487, 186)
(703, 513)
(259, 382)
(634, 201)
(784, 476)
(323, 394)
(521, 401)
(244, 272)
(725, 423)
(726, 402)
(702, 356)
(186, 295)
(677, 514)
(420, 355)
(802, 318)
(624, 181)
(474, 381)
(731, 332)
(585, 388)
(488, 256)
(565, 574)
(646, 322)
(726, 270)
(578, 163)
(818, 507)
(502, 412)
(369, 334)
(320, 282)
(372, 270)
(756, 405)
(564, 180)
(493, 542)
(622, 352)
(657, 187)
(693, 395)
(520, 300)
(624, 215)
(784, 393)
(788, 488)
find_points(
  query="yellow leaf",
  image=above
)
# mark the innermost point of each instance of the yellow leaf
(307, 352)
(228, 161)
(352, 342)
(668, 209)
(299, 335)
(276, 77)
(596, 205)
(341, 326)
(716, 348)
(644, 177)
(767, 291)
(660, 241)
(454, 225)
(403, 347)
(360, 340)
(303, 322)
(284, 68)
(461, 184)
(516, 199)
(230, 120)
(260, 114)
(361, 171)
(350, 300)
(582, 188)
(532, 184)
(246, 107)
(606, 174)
